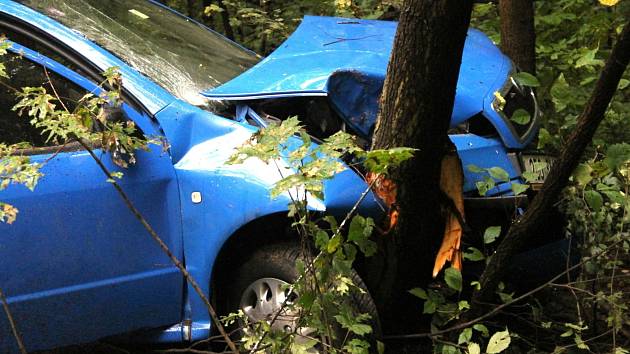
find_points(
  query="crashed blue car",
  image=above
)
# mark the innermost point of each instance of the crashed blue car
(78, 266)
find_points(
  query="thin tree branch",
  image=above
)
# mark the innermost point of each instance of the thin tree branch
(561, 170)
(151, 231)
(163, 246)
(311, 264)
(16, 334)
(507, 304)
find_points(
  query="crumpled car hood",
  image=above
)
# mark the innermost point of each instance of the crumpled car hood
(346, 59)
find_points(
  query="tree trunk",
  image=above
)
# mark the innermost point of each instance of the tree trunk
(518, 38)
(558, 177)
(264, 6)
(416, 107)
(225, 18)
(190, 6)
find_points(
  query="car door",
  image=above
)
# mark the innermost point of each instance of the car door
(77, 265)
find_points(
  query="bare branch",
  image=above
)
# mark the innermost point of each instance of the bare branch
(16, 334)
(163, 246)
(507, 304)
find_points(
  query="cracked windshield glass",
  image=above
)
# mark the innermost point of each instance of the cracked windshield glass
(180, 55)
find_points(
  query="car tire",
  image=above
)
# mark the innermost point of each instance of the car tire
(274, 265)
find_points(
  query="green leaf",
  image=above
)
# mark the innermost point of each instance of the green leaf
(429, 307)
(474, 255)
(353, 323)
(530, 176)
(544, 138)
(481, 328)
(594, 200)
(616, 196)
(333, 244)
(485, 185)
(321, 239)
(498, 342)
(617, 155)
(359, 233)
(379, 161)
(463, 305)
(582, 174)
(505, 297)
(475, 169)
(306, 299)
(588, 59)
(491, 234)
(561, 93)
(380, 347)
(453, 278)
(579, 342)
(499, 174)
(465, 336)
(521, 116)
(356, 346)
(518, 188)
(526, 79)
(420, 293)
(303, 346)
(449, 349)
(473, 348)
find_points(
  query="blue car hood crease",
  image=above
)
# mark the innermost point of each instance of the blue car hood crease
(346, 59)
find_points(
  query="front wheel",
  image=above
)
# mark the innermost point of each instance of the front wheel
(259, 287)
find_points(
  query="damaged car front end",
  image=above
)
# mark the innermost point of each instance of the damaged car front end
(98, 267)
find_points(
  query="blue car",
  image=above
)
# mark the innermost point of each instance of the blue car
(78, 266)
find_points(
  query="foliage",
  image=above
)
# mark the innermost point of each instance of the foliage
(598, 208)
(573, 39)
(262, 25)
(89, 122)
(16, 168)
(325, 285)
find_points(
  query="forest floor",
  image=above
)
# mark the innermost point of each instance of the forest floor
(558, 304)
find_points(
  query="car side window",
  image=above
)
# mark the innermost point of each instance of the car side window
(24, 73)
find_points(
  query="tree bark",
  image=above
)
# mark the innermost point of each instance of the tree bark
(225, 18)
(518, 38)
(560, 172)
(190, 6)
(416, 107)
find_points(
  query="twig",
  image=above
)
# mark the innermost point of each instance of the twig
(186, 350)
(151, 231)
(502, 306)
(577, 301)
(16, 334)
(572, 289)
(355, 207)
(588, 340)
(163, 246)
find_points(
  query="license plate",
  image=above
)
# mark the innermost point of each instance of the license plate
(536, 167)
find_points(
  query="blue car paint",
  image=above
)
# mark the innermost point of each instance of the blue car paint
(346, 59)
(231, 197)
(485, 153)
(74, 184)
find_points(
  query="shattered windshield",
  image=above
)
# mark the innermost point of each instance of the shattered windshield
(180, 55)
